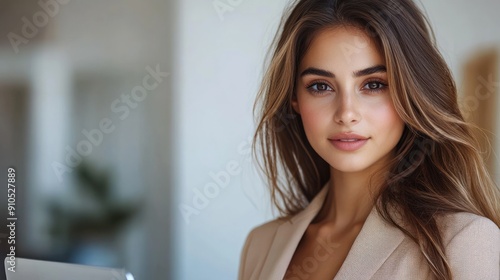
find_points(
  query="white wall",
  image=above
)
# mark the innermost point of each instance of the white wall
(219, 61)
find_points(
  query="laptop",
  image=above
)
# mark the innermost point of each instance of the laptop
(27, 269)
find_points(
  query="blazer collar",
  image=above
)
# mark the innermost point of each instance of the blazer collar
(373, 245)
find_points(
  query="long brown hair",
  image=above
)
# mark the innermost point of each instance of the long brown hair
(438, 167)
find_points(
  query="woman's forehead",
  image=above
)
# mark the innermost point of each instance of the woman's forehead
(344, 47)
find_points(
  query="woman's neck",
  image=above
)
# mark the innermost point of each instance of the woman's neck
(349, 199)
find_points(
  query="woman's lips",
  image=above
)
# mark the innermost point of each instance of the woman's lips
(348, 145)
(347, 136)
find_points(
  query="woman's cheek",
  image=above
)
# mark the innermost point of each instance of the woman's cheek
(385, 118)
(314, 117)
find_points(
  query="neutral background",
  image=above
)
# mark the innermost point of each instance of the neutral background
(183, 153)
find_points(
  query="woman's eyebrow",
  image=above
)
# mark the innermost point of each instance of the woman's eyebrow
(317, 72)
(359, 73)
(370, 70)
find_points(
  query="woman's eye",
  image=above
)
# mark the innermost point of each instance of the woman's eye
(318, 87)
(375, 85)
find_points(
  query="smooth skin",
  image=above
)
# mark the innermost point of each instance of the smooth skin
(342, 87)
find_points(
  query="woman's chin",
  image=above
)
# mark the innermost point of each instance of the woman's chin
(349, 168)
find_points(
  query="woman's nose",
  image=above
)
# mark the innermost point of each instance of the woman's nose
(347, 109)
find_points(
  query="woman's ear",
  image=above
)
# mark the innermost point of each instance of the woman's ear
(295, 104)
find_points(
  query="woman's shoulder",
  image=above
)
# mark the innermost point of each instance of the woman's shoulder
(261, 236)
(267, 229)
(464, 224)
(257, 242)
(472, 245)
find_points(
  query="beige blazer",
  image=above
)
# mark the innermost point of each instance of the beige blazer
(380, 251)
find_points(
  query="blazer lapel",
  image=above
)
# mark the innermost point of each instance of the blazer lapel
(373, 245)
(287, 238)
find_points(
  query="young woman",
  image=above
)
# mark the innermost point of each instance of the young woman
(374, 170)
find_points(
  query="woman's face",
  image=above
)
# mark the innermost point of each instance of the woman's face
(344, 101)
